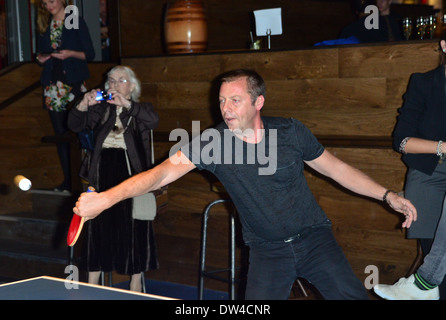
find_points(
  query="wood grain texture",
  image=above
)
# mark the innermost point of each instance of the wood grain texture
(349, 97)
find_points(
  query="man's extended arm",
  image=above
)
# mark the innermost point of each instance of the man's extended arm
(358, 182)
(91, 204)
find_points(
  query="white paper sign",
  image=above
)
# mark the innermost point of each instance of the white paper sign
(268, 19)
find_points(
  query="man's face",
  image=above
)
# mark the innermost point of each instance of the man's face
(236, 107)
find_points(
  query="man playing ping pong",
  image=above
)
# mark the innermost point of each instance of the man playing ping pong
(288, 233)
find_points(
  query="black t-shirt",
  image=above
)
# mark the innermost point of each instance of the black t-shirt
(266, 180)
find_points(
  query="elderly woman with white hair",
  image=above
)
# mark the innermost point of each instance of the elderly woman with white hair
(121, 127)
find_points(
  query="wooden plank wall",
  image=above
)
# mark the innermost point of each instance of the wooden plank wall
(349, 93)
(22, 126)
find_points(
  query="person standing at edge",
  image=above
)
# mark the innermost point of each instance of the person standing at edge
(419, 135)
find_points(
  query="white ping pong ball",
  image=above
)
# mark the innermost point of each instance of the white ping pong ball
(23, 183)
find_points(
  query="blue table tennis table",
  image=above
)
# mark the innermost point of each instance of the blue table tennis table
(50, 288)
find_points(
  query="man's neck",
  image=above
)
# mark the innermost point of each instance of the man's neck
(251, 135)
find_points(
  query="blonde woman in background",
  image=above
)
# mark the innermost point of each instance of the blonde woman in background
(63, 52)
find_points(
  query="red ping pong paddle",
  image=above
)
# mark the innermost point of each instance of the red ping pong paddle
(77, 222)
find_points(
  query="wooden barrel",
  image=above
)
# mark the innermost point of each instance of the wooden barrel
(185, 27)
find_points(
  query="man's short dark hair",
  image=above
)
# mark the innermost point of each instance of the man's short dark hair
(256, 84)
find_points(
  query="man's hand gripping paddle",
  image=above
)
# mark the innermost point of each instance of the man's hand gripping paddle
(77, 222)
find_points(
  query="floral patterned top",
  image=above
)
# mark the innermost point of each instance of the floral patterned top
(56, 33)
(57, 95)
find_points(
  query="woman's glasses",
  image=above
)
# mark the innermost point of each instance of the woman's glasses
(115, 82)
